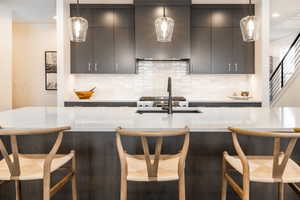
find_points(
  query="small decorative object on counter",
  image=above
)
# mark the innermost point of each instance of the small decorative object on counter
(85, 94)
(244, 93)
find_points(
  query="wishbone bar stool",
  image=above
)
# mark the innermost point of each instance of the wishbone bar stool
(278, 168)
(21, 167)
(156, 167)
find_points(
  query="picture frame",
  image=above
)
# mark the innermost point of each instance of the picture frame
(51, 70)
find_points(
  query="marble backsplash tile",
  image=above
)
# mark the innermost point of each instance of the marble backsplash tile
(151, 80)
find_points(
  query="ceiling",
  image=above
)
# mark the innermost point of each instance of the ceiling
(31, 11)
(289, 21)
(41, 11)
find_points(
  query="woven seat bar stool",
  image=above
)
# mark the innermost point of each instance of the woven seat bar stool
(19, 167)
(155, 167)
(278, 168)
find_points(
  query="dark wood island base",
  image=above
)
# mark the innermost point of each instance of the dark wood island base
(99, 168)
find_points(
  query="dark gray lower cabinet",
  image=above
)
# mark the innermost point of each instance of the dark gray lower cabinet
(201, 51)
(222, 46)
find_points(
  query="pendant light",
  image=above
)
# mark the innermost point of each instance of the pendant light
(249, 27)
(164, 27)
(78, 27)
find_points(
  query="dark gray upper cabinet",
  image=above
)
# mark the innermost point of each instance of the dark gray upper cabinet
(201, 17)
(222, 17)
(81, 55)
(238, 14)
(147, 45)
(110, 44)
(102, 17)
(103, 50)
(124, 58)
(201, 51)
(162, 2)
(243, 54)
(228, 52)
(222, 45)
(123, 18)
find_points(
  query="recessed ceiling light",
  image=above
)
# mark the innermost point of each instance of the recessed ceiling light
(55, 17)
(275, 15)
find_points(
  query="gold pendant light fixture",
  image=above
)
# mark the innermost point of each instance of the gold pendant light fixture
(249, 26)
(164, 27)
(78, 27)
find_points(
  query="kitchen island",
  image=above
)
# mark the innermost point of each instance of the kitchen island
(93, 138)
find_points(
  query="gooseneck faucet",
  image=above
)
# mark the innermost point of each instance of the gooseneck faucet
(170, 100)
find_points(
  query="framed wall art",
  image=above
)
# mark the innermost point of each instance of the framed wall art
(51, 70)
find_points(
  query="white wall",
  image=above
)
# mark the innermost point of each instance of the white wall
(29, 46)
(5, 59)
(260, 81)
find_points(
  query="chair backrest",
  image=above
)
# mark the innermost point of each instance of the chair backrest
(280, 159)
(14, 163)
(152, 168)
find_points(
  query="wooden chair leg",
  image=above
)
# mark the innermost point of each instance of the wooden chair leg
(74, 181)
(18, 190)
(46, 187)
(224, 180)
(280, 191)
(181, 187)
(123, 192)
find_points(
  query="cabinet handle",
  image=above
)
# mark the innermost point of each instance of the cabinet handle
(229, 67)
(96, 67)
(89, 67)
(236, 67)
(117, 67)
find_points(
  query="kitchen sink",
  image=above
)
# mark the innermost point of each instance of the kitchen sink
(183, 111)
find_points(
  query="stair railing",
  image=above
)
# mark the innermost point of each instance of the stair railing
(285, 70)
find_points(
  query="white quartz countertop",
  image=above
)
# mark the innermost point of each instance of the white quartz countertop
(104, 119)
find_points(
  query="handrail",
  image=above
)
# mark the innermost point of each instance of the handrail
(284, 57)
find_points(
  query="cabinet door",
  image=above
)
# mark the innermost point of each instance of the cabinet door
(222, 50)
(238, 14)
(201, 17)
(147, 45)
(102, 17)
(201, 51)
(243, 54)
(103, 50)
(222, 17)
(124, 54)
(81, 55)
(123, 17)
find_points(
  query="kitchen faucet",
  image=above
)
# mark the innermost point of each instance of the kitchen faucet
(170, 100)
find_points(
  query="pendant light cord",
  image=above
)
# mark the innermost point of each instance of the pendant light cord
(249, 7)
(77, 8)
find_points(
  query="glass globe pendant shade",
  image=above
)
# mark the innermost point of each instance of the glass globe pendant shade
(249, 28)
(164, 27)
(78, 29)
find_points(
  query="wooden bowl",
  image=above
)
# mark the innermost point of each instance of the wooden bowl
(84, 94)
